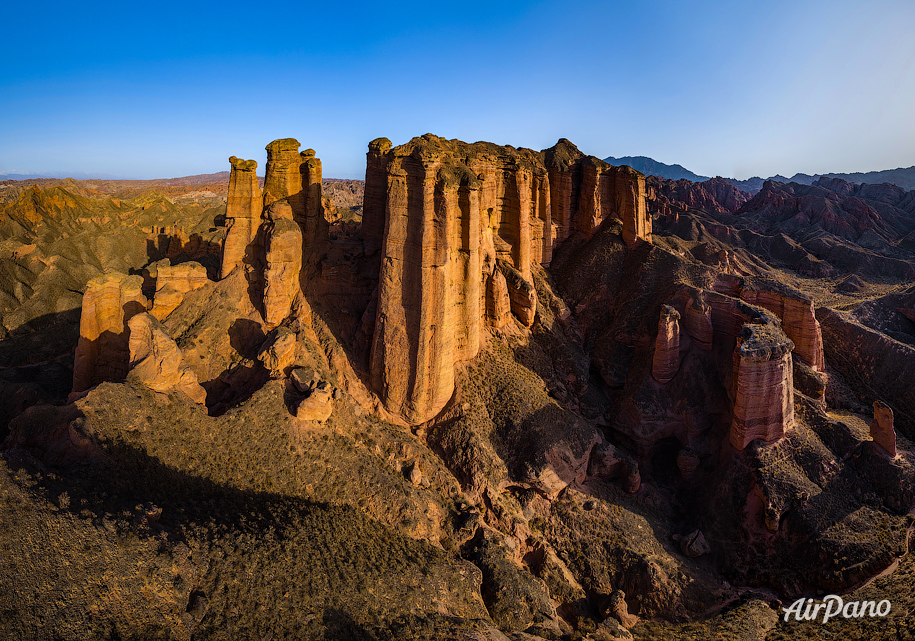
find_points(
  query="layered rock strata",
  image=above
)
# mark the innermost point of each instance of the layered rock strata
(244, 204)
(102, 352)
(763, 386)
(666, 360)
(157, 362)
(882, 428)
(798, 320)
(446, 217)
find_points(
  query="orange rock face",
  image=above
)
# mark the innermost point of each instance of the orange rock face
(157, 362)
(666, 360)
(243, 208)
(498, 306)
(283, 252)
(172, 283)
(882, 430)
(103, 353)
(443, 213)
(763, 386)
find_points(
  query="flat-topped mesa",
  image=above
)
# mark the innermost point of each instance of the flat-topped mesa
(443, 213)
(763, 385)
(882, 430)
(103, 352)
(666, 361)
(244, 205)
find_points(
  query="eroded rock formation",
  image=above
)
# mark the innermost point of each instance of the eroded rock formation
(283, 255)
(882, 428)
(763, 386)
(666, 359)
(156, 361)
(446, 215)
(244, 204)
(103, 353)
(173, 283)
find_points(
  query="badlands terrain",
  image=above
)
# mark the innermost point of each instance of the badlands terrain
(488, 393)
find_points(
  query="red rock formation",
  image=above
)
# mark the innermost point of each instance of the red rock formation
(796, 313)
(443, 212)
(882, 428)
(103, 353)
(763, 386)
(157, 362)
(697, 321)
(713, 195)
(666, 360)
(244, 204)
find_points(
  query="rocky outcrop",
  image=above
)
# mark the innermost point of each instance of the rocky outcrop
(172, 283)
(296, 178)
(697, 321)
(521, 294)
(283, 255)
(882, 428)
(103, 353)
(666, 360)
(445, 215)
(156, 361)
(498, 305)
(244, 204)
(795, 310)
(763, 386)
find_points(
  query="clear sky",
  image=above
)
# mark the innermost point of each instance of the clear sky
(736, 88)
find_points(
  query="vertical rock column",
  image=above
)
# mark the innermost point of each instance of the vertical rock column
(798, 321)
(882, 430)
(666, 361)
(375, 195)
(697, 321)
(627, 190)
(243, 212)
(103, 351)
(412, 358)
(283, 251)
(314, 225)
(763, 385)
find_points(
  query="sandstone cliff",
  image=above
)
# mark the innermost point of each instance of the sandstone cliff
(444, 214)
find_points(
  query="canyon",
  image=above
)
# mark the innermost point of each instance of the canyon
(529, 394)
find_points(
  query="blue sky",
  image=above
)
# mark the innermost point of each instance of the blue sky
(145, 90)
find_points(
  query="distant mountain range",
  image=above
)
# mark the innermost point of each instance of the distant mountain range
(901, 177)
(76, 175)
